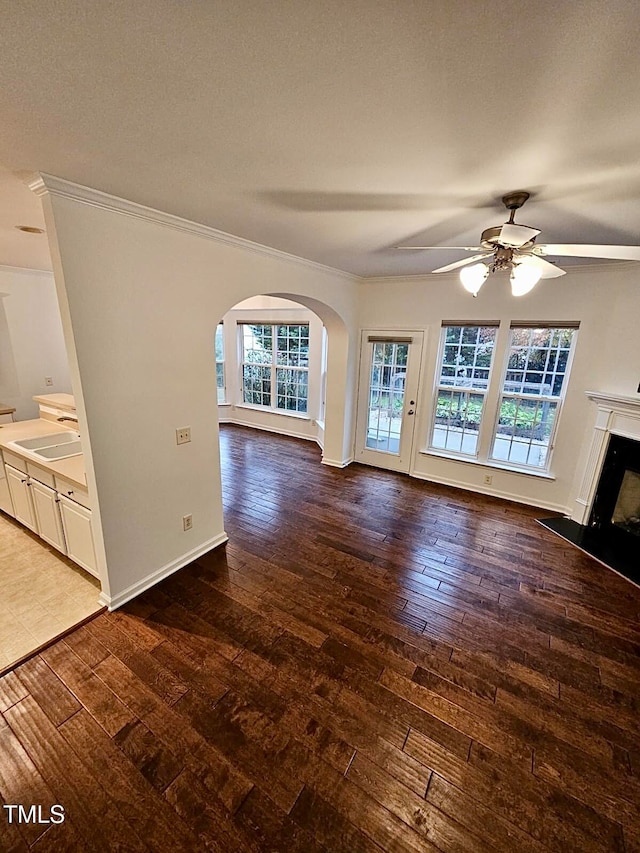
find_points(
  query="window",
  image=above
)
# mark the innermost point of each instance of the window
(323, 375)
(275, 366)
(220, 378)
(532, 390)
(507, 419)
(465, 367)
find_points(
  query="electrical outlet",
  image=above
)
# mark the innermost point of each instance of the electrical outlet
(187, 522)
(48, 380)
(488, 479)
(183, 435)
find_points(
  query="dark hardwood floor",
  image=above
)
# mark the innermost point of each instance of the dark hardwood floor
(371, 663)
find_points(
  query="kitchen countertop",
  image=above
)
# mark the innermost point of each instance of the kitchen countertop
(71, 468)
(60, 401)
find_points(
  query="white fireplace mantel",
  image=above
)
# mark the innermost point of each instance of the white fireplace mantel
(617, 415)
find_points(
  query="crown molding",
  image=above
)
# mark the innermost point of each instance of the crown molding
(24, 270)
(43, 184)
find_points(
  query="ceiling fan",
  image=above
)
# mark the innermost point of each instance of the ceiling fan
(513, 247)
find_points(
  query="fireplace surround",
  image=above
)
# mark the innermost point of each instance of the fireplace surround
(616, 416)
(606, 518)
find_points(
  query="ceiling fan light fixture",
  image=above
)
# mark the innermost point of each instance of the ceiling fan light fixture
(524, 277)
(474, 277)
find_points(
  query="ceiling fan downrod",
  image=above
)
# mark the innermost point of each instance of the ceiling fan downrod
(514, 201)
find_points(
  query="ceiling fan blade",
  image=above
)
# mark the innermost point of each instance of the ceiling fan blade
(463, 262)
(548, 270)
(461, 248)
(517, 235)
(576, 250)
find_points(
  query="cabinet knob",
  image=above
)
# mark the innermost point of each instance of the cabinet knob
(70, 492)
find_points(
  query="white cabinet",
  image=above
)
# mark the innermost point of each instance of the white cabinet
(21, 497)
(5, 495)
(45, 504)
(76, 520)
(56, 509)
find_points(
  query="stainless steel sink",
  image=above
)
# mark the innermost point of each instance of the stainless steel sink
(59, 451)
(47, 440)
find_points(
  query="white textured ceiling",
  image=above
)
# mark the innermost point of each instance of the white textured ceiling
(331, 130)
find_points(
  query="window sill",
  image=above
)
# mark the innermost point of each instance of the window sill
(298, 415)
(510, 469)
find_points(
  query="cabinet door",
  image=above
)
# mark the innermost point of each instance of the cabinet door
(76, 521)
(5, 496)
(45, 504)
(21, 498)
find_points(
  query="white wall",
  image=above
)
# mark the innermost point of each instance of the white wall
(269, 309)
(31, 340)
(140, 297)
(607, 304)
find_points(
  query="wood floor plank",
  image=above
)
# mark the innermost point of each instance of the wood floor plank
(87, 805)
(12, 690)
(51, 693)
(21, 783)
(433, 824)
(371, 663)
(134, 798)
(198, 808)
(93, 693)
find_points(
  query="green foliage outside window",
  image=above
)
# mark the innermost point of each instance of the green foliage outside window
(292, 360)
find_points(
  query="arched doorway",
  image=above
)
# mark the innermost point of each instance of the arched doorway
(282, 370)
(276, 323)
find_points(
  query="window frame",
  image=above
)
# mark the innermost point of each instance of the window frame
(494, 393)
(221, 361)
(438, 387)
(274, 368)
(538, 398)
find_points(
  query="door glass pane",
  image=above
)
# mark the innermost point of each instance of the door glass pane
(386, 396)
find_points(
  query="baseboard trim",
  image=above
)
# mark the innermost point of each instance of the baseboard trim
(115, 601)
(505, 496)
(288, 432)
(338, 463)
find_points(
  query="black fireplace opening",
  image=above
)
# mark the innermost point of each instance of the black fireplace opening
(616, 506)
(613, 532)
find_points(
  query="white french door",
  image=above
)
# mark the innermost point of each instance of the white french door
(389, 377)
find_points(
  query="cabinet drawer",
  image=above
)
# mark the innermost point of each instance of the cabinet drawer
(40, 474)
(15, 461)
(70, 490)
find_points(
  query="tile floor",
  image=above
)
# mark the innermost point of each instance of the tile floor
(42, 593)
